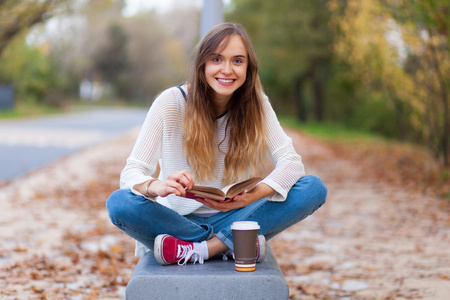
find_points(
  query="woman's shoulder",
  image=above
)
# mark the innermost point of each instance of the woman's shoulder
(169, 100)
(265, 101)
(264, 97)
(172, 94)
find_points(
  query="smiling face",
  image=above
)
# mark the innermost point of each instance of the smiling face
(226, 70)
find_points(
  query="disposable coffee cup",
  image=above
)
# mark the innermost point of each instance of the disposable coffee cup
(245, 242)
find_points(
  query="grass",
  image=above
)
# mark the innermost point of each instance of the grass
(29, 110)
(32, 109)
(330, 131)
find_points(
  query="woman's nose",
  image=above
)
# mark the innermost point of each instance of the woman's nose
(227, 69)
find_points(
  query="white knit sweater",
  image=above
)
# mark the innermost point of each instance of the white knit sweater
(160, 140)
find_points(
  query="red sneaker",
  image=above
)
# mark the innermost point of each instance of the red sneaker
(169, 250)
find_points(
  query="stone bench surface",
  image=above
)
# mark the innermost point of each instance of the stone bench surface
(215, 279)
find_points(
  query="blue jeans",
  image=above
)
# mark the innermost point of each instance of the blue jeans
(143, 220)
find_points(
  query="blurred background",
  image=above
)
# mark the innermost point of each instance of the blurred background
(378, 66)
(363, 83)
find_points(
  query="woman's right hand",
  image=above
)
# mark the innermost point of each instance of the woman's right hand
(175, 183)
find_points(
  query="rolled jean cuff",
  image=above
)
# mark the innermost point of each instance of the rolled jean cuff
(209, 233)
(228, 241)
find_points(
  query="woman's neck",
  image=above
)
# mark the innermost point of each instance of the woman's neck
(221, 103)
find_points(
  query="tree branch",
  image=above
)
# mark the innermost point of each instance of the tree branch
(21, 18)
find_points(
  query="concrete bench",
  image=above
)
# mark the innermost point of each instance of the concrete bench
(215, 279)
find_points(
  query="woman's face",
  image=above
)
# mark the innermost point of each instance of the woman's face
(226, 71)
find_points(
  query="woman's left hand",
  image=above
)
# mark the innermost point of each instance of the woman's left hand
(243, 199)
(238, 201)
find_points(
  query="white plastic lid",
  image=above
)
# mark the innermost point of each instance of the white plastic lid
(245, 225)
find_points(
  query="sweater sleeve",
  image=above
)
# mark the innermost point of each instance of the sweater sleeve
(146, 153)
(288, 164)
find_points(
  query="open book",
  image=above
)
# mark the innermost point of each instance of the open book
(222, 194)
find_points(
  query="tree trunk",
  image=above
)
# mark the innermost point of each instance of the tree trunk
(319, 103)
(319, 72)
(34, 13)
(445, 139)
(299, 98)
(446, 133)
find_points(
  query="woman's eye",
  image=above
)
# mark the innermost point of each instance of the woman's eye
(216, 59)
(238, 61)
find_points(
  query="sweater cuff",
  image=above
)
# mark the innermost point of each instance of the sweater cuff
(136, 192)
(280, 193)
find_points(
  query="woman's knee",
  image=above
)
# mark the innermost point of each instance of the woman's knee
(317, 188)
(312, 190)
(115, 204)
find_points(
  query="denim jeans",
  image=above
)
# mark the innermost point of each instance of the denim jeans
(143, 220)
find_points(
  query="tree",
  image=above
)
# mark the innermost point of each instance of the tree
(19, 15)
(29, 70)
(292, 39)
(131, 56)
(426, 25)
(111, 60)
(400, 51)
(157, 60)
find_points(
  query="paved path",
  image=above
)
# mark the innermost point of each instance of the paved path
(27, 144)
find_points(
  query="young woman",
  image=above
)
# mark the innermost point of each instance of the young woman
(213, 131)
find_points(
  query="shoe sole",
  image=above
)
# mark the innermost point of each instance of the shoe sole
(157, 249)
(262, 248)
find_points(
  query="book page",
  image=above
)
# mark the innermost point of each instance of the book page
(227, 192)
(234, 189)
(207, 190)
(212, 196)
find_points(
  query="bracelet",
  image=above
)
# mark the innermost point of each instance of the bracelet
(148, 185)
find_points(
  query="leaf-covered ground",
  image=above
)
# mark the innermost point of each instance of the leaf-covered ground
(384, 232)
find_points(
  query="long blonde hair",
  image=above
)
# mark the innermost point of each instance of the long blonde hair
(246, 126)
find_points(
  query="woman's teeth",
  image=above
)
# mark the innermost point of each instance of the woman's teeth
(225, 80)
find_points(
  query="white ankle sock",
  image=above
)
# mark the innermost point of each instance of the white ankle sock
(202, 248)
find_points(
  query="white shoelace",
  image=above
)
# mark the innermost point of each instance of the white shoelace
(226, 253)
(186, 253)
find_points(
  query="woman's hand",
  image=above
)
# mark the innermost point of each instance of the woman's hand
(243, 199)
(238, 201)
(175, 183)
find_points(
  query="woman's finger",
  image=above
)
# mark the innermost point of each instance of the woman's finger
(219, 205)
(184, 178)
(187, 179)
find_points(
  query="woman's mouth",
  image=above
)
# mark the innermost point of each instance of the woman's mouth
(224, 81)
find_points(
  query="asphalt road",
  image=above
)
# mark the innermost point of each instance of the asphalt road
(31, 143)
